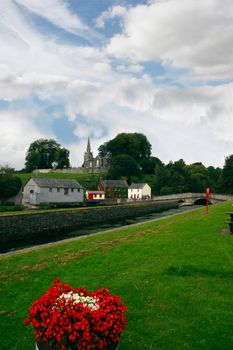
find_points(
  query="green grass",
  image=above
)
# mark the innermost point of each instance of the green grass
(88, 181)
(175, 275)
(10, 208)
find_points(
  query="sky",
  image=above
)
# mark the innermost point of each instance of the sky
(73, 69)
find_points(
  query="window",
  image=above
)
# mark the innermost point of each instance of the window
(31, 191)
(78, 189)
(66, 191)
(50, 190)
(72, 190)
(58, 189)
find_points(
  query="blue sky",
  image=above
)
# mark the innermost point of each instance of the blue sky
(70, 69)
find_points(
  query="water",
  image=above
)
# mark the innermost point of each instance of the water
(125, 222)
(100, 227)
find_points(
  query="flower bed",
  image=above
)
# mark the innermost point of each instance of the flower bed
(71, 318)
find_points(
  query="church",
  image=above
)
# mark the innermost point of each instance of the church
(94, 164)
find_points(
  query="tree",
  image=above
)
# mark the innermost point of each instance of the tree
(9, 184)
(62, 158)
(129, 154)
(198, 177)
(214, 176)
(227, 176)
(134, 145)
(123, 166)
(150, 165)
(42, 153)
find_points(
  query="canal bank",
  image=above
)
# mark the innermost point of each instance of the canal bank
(100, 229)
(35, 228)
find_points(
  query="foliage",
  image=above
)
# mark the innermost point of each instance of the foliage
(135, 145)
(9, 184)
(155, 269)
(46, 154)
(227, 176)
(62, 158)
(71, 318)
(123, 166)
(128, 154)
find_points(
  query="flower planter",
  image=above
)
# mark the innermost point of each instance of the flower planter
(64, 317)
(113, 346)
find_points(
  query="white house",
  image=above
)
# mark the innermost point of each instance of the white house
(44, 190)
(139, 191)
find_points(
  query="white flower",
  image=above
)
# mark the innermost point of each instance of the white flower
(91, 302)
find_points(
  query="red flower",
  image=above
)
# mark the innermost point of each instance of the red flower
(72, 318)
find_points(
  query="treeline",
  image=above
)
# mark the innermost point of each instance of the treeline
(130, 158)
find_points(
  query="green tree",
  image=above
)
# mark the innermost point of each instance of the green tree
(198, 177)
(129, 155)
(134, 145)
(214, 176)
(123, 166)
(62, 158)
(227, 176)
(43, 153)
(9, 184)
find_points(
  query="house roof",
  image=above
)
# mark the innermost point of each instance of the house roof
(95, 192)
(56, 183)
(115, 183)
(137, 186)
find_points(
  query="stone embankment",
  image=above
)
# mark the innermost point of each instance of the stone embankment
(21, 229)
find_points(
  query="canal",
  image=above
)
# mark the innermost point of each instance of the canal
(99, 228)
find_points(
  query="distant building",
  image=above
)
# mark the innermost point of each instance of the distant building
(94, 163)
(114, 188)
(139, 191)
(95, 195)
(40, 190)
(90, 164)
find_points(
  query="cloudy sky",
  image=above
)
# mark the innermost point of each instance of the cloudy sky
(70, 69)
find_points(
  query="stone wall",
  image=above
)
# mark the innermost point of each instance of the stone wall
(18, 230)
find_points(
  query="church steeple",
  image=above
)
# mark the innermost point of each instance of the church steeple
(88, 146)
(88, 156)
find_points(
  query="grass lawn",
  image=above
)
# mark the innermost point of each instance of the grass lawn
(88, 181)
(175, 275)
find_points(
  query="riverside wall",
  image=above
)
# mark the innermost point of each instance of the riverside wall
(21, 229)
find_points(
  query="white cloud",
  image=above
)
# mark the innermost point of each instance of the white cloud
(56, 80)
(16, 133)
(58, 13)
(195, 35)
(113, 12)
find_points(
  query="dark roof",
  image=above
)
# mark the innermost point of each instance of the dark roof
(56, 183)
(115, 183)
(138, 185)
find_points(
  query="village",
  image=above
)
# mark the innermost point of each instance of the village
(116, 175)
(42, 190)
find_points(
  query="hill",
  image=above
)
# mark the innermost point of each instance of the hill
(87, 180)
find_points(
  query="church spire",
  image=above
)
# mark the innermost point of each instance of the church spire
(88, 145)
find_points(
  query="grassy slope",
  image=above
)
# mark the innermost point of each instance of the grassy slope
(88, 181)
(175, 275)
